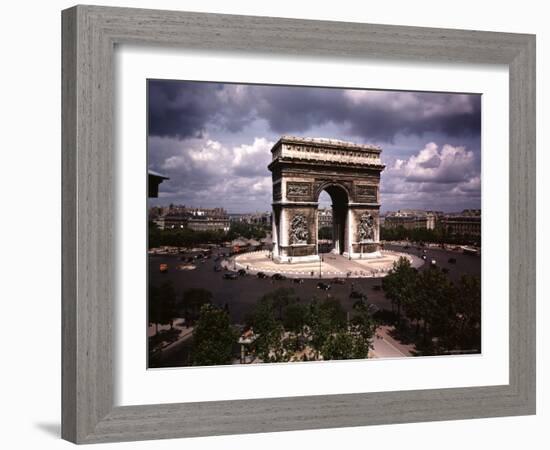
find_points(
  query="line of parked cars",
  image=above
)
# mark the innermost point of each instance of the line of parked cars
(324, 286)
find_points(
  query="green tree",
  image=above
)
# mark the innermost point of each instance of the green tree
(434, 302)
(356, 341)
(338, 346)
(325, 233)
(324, 318)
(192, 301)
(213, 337)
(362, 322)
(162, 304)
(246, 230)
(294, 317)
(399, 284)
(268, 328)
(153, 306)
(467, 314)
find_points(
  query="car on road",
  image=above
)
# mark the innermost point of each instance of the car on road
(338, 281)
(230, 276)
(356, 294)
(242, 272)
(261, 275)
(452, 261)
(298, 280)
(323, 286)
(278, 277)
(163, 268)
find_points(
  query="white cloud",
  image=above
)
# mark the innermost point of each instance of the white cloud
(252, 159)
(433, 178)
(431, 164)
(208, 173)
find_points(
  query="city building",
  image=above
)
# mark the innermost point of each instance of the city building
(325, 217)
(196, 219)
(467, 222)
(412, 219)
(208, 224)
(258, 218)
(170, 222)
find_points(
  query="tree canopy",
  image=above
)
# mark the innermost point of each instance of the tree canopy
(437, 235)
(162, 304)
(213, 337)
(448, 314)
(192, 301)
(399, 284)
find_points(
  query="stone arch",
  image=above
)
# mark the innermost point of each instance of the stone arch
(301, 169)
(333, 186)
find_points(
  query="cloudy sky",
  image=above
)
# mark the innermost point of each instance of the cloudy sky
(213, 140)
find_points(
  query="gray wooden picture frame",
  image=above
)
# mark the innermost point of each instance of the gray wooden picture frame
(89, 35)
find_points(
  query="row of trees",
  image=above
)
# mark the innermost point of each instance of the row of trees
(185, 237)
(443, 316)
(437, 235)
(438, 315)
(247, 230)
(213, 335)
(325, 233)
(165, 306)
(288, 329)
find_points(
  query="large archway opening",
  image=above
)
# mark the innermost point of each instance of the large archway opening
(332, 213)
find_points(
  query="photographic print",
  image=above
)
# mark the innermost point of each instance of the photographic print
(295, 224)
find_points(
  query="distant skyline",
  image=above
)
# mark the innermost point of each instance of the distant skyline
(213, 140)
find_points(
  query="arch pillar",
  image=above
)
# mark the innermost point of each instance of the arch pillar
(297, 233)
(364, 232)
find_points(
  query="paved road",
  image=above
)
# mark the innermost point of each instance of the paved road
(242, 294)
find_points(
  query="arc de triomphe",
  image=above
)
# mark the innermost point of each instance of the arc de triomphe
(350, 173)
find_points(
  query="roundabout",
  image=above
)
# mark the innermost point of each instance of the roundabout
(331, 265)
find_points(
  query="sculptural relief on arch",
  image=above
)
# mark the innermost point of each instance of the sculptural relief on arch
(350, 173)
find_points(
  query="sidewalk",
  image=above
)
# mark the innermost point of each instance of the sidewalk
(387, 347)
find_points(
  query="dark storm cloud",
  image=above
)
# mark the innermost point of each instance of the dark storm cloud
(179, 109)
(213, 140)
(372, 115)
(184, 109)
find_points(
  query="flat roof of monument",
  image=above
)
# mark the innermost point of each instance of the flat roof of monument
(323, 142)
